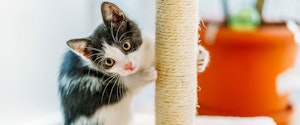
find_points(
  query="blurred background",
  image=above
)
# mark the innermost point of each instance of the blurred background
(34, 34)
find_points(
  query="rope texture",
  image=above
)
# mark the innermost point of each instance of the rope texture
(176, 60)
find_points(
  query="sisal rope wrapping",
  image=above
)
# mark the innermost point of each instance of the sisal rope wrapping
(176, 60)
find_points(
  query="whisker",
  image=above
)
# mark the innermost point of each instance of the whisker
(117, 34)
(101, 60)
(105, 87)
(122, 87)
(109, 78)
(89, 75)
(122, 90)
(124, 34)
(89, 72)
(125, 39)
(111, 31)
(95, 49)
(97, 54)
(104, 74)
(118, 87)
(98, 58)
(117, 90)
(111, 92)
(103, 92)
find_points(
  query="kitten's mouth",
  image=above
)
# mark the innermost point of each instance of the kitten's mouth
(128, 72)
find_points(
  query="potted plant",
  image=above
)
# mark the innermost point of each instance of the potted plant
(241, 77)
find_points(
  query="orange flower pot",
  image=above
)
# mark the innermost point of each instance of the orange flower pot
(241, 77)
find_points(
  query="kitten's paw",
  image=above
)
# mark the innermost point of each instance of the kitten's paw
(149, 74)
(202, 59)
(82, 120)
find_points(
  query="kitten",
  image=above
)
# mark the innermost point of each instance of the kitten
(100, 74)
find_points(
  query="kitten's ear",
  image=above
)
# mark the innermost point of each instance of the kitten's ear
(112, 15)
(80, 46)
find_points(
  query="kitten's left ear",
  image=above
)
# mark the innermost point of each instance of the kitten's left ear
(112, 15)
(80, 46)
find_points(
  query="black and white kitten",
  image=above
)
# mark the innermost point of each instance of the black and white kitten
(100, 74)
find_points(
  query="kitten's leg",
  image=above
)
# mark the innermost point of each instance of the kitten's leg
(149, 75)
(139, 80)
(82, 120)
(203, 59)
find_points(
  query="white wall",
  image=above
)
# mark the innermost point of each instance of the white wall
(33, 36)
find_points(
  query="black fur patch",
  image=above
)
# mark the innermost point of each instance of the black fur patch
(77, 99)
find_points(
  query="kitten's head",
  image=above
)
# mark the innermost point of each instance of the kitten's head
(114, 47)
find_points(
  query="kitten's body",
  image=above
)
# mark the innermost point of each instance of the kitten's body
(94, 93)
(100, 74)
(110, 103)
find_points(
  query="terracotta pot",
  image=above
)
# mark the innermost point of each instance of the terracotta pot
(241, 77)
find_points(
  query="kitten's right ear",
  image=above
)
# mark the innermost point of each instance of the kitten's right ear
(80, 46)
(112, 15)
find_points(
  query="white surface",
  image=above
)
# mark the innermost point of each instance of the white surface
(148, 119)
(218, 120)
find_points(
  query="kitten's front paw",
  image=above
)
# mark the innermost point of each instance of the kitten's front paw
(149, 74)
(203, 59)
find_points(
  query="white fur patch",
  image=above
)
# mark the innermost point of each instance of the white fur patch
(115, 114)
(202, 59)
(146, 73)
(69, 84)
(121, 60)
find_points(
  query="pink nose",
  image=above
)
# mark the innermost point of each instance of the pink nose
(128, 66)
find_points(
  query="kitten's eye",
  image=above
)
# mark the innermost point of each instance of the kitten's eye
(126, 45)
(109, 62)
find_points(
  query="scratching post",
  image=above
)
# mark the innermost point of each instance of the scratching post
(176, 59)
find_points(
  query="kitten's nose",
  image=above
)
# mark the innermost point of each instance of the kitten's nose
(128, 66)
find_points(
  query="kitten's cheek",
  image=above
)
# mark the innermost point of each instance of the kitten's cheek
(135, 67)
